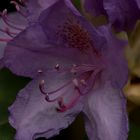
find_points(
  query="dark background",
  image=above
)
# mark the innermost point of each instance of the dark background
(5, 4)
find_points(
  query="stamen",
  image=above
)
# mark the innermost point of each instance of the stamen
(50, 100)
(61, 103)
(59, 98)
(75, 82)
(42, 83)
(91, 83)
(17, 6)
(8, 32)
(63, 107)
(5, 39)
(40, 71)
(83, 82)
(82, 68)
(22, 1)
(41, 87)
(7, 21)
(4, 12)
(57, 66)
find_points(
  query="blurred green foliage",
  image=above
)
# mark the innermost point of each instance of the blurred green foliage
(134, 133)
(134, 117)
(6, 132)
(133, 51)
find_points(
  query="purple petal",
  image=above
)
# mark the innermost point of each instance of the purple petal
(35, 7)
(17, 20)
(14, 57)
(138, 2)
(106, 117)
(34, 117)
(113, 54)
(123, 14)
(94, 7)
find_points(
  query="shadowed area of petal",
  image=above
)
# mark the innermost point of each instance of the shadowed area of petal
(5, 30)
(113, 54)
(94, 7)
(34, 117)
(35, 7)
(123, 14)
(106, 117)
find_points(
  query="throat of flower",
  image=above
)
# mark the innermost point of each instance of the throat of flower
(75, 35)
(82, 83)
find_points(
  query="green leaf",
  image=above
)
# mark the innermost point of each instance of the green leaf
(134, 133)
(6, 132)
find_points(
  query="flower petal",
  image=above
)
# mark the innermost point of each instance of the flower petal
(35, 7)
(123, 14)
(17, 20)
(116, 69)
(106, 117)
(94, 7)
(34, 117)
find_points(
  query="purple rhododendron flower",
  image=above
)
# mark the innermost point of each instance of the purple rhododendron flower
(75, 68)
(35, 7)
(122, 14)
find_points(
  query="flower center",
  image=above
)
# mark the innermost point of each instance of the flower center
(73, 33)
